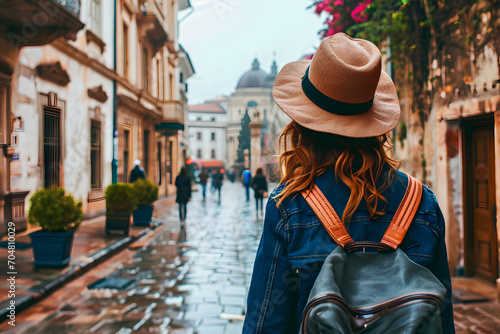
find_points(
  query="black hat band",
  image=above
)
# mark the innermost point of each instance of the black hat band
(331, 105)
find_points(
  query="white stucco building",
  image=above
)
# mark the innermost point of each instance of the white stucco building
(254, 94)
(208, 133)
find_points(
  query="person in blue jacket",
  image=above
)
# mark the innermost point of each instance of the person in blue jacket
(247, 178)
(343, 108)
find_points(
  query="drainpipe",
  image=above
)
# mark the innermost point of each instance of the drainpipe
(114, 163)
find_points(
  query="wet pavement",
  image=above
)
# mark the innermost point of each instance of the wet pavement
(91, 246)
(185, 280)
(191, 279)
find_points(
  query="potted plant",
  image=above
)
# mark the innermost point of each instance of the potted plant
(120, 203)
(146, 193)
(59, 216)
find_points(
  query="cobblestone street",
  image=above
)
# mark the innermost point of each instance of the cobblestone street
(183, 281)
(193, 286)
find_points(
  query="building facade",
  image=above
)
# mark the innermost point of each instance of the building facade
(208, 133)
(86, 87)
(454, 144)
(253, 95)
(150, 108)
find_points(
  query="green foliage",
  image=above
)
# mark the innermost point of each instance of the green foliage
(54, 211)
(145, 191)
(120, 197)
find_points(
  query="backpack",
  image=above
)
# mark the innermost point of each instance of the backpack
(375, 291)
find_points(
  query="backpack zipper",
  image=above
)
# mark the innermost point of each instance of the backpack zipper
(357, 313)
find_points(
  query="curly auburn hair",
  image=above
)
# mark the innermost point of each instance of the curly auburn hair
(358, 162)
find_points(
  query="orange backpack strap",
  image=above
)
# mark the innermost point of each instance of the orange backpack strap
(404, 215)
(327, 215)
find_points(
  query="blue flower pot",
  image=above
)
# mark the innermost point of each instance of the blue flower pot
(52, 249)
(143, 215)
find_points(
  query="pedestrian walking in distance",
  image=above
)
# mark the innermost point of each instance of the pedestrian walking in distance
(343, 108)
(203, 181)
(212, 187)
(259, 185)
(183, 184)
(138, 172)
(217, 182)
(247, 179)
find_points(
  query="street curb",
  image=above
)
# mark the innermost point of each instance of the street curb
(76, 271)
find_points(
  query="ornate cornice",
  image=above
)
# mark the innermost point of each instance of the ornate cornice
(97, 93)
(54, 73)
(91, 37)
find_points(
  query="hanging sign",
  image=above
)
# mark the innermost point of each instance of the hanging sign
(15, 165)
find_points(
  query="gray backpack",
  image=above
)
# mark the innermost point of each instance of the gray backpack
(376, 291)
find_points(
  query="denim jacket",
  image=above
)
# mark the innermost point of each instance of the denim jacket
(294, 246)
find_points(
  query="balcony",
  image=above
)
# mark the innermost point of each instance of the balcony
(173, 117)
(153, 23)
(31, 22)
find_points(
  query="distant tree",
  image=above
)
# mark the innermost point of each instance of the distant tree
(243, 138)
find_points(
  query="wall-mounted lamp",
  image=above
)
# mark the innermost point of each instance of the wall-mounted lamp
(144, 8)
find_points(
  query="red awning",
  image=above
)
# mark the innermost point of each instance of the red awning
(210, 163)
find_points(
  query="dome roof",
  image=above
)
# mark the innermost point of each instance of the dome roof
(253, 78)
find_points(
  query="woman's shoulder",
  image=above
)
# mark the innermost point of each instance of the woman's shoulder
(428, 209)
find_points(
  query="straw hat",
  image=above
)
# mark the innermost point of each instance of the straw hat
(342, 90)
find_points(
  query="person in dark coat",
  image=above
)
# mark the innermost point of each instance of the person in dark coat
(217, 181)
(259, 185)
(138, 172)
(183, 184)
(203, 181)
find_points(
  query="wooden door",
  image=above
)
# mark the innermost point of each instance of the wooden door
(481, 208)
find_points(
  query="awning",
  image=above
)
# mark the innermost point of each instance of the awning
(169, 126)
(210, 163)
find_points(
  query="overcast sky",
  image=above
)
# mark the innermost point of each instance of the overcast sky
(223, 37)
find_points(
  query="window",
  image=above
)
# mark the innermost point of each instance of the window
(95, 16)
(213, 154)
(198, 154)
(158, 76)
(145, 69)
(212, 119)
(198, 135)
(51, 146)
(198, 118)
(125, 50)
(170, 147)
(95, 154)
(126, 137)
(171, 77)
(158, 160)
(146, 150)
(212, 136)
(180, 77)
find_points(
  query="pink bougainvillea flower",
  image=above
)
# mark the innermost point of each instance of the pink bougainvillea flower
(320, 7)
(333, 19)
(338, 3)
(329, 9)
(357, 14)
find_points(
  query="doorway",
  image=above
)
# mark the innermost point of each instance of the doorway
(481, 246)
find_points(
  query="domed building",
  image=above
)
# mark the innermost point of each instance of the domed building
(254, 94)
